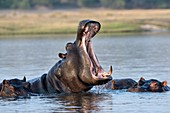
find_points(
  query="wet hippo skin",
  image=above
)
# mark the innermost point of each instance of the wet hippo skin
(15, 88)
(79, 69)
(118, 84)
(151, 85)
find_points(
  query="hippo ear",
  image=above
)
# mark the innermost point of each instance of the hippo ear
(164, 83)
(142, 78)
(24, 79)
(61, 55)
(141, 81)
(5, 82)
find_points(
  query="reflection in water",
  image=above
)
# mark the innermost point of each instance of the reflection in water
(131, 56)
(81, 102)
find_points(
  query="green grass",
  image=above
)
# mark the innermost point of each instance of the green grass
(66, 22)
(118, 27)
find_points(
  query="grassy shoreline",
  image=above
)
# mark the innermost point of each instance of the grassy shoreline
(66, 21)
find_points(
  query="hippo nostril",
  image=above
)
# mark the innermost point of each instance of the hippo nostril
(95, 29)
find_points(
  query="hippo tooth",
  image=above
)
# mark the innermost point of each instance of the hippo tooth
(110, 71)
(104, 74)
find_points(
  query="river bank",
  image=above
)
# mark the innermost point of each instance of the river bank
(16, 22)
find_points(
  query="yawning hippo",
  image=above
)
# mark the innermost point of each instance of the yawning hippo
(79, 69)
(14, 88)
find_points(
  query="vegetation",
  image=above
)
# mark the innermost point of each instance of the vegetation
(47, 20)
(64, 21)
(114, 4)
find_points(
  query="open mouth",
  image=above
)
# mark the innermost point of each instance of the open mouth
(91, 28)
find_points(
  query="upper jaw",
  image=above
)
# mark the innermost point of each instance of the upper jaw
(87, 30)
(91, 29)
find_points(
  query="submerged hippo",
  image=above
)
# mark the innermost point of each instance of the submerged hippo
(118, 84)
(14, 88)
(151, 85)
(79, 69)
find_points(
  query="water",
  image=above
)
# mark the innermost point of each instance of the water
(132, 56)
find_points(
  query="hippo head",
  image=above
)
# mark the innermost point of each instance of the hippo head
(14, 88)
(80, 69)
(151, 85)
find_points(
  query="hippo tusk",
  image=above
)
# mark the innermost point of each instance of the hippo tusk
(109, 73)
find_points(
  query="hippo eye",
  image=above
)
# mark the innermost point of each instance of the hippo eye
(154, 85)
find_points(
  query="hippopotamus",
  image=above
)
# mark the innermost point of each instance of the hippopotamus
(151, 85)
(118, 84)
(14, 88)
(79, 69)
